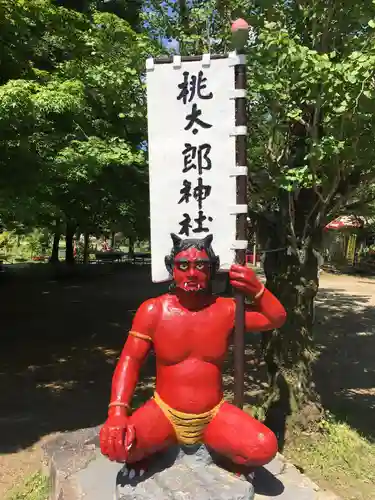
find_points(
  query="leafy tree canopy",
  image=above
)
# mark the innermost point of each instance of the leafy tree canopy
(72, 112)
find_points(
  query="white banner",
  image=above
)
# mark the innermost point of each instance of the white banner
(191, 141)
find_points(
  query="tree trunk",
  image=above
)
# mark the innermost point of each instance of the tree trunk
(289, 351)
(69, 236)
(77, 234)
(113, 240)
(55, 244)
(86, 248)
(131, 248)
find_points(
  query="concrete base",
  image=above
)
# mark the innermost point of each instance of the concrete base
(78, 471)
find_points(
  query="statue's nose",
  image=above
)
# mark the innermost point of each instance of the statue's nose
(191, 271)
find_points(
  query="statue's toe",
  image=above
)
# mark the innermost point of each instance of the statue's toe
(125, 471)
(250, 476)
(132, 474)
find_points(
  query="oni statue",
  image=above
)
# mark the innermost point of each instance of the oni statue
(189, 329)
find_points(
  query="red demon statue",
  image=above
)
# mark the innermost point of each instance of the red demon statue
(189, 329)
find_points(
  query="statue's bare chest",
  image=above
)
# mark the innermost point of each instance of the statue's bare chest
(182, 334)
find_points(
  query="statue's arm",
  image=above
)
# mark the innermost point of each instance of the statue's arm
(267, 312)
(135, 350)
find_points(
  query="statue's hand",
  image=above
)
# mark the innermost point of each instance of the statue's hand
(244, 279)
(117, 438)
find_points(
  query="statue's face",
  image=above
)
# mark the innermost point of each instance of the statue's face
(192, 270)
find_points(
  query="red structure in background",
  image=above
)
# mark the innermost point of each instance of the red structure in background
(345, 222)
(250, 257)
(189, 329)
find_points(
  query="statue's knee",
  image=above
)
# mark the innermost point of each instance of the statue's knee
(269, 444)
(264, 450)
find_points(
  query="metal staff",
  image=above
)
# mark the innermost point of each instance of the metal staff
(240, 31)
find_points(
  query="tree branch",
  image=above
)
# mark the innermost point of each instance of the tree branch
(308, 218)
(291, 212)
(347, 188)
(359, 203)
(260, 217)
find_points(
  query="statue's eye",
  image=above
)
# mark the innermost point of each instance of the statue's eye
(183, 266)
(200, 266)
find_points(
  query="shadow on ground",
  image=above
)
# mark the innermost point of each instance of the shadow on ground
(59, 345)
(60, 340)
(345, 370)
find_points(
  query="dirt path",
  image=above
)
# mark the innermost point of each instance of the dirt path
(60, 342)
(345, 333)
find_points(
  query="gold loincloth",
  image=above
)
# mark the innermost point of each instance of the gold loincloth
(189, 427)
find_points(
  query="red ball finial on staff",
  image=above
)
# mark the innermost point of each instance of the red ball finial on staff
(240, 34)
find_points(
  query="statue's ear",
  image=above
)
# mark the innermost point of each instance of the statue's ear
(208, 240)
(176, 240)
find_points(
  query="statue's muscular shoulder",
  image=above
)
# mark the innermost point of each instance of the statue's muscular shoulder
(150, 307)
(147, 317)
(152, 313)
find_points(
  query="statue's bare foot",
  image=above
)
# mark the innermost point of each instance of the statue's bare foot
(244, 471)
(249, 475)
(136, 469)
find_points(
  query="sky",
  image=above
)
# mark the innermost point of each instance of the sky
(170, 44)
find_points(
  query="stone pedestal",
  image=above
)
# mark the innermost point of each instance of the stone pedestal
(186, 473)
(78, 471)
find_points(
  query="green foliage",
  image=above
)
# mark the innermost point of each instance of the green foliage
(7, 242)
(72, 119)
(72, 107)
(310, 90)
(338, 456)
(34, 243)
(35, 488)
(317, 97)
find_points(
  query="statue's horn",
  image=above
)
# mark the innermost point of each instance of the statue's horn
(207, 241)
(176, 240)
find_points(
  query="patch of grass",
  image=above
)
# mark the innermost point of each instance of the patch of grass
(338, 458)
(35, 488)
